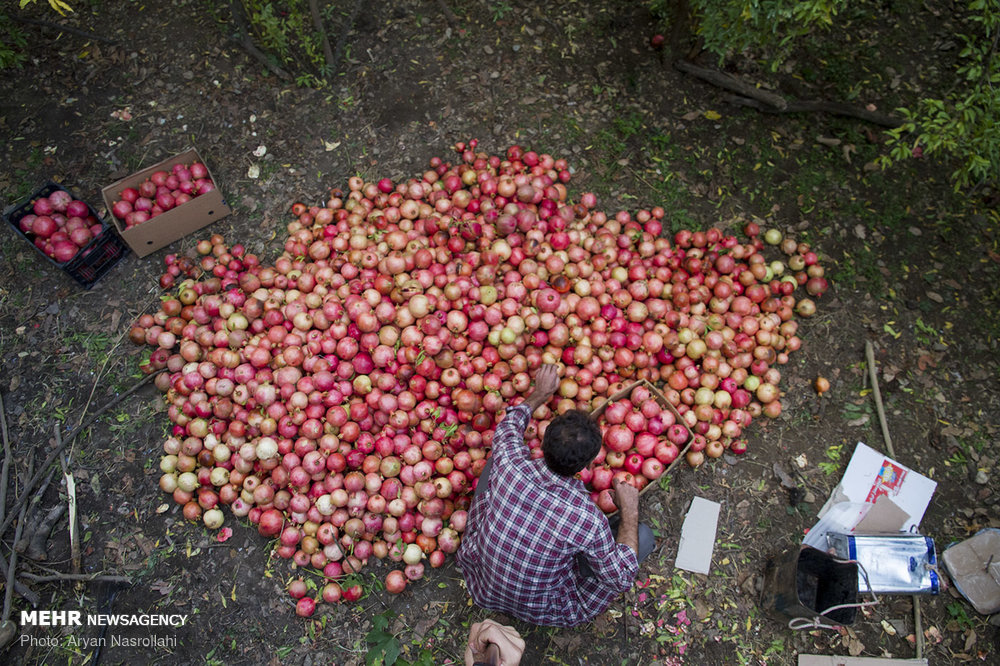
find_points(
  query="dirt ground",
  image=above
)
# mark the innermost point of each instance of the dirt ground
(913, 267)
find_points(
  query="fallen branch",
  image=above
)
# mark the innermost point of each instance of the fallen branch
(8, 596)
(23, 590)
(731, 83)
(101, 578)
(12, 570)
(877, 394)
(835, 108)
(318, 23)
(5, 471)
(34, 507)
(62, 28)
(29, 487)
(918, 632)
(74, 534)
(768, 102)
(244, 40)
(34, 544)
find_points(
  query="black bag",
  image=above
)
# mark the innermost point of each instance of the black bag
(814, 588)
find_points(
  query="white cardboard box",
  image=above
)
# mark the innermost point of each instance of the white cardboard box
(877, 495)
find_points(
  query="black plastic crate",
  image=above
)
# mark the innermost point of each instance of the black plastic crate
(93, 261)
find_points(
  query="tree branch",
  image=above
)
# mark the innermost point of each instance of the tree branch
(63, 28)
(12, 567)
(836, 108)
(755, 98)
(7, 455)
(731, 83)
(77, 577)
(244, 40)
(318, 23)
(26, 592)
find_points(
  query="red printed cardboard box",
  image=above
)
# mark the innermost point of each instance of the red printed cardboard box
(877, 495)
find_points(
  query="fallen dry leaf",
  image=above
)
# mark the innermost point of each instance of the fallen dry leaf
(569, 643)
(424, 625)
(783, 476)
(925, 361)
(604, 624)
(144, 544)
(702, 609)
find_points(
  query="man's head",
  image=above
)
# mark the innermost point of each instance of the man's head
(571, 441)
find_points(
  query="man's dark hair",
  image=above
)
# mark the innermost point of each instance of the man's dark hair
(571, 441)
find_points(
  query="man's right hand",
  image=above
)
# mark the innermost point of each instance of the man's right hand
(507, 640)
(627, 499)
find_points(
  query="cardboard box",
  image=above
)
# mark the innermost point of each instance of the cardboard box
(164, 229)
(974, 567)
(877, 495)
(660, 398)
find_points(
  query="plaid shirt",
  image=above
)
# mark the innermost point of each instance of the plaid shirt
(518, 554)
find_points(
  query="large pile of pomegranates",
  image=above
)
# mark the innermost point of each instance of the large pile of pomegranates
(343, 398)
